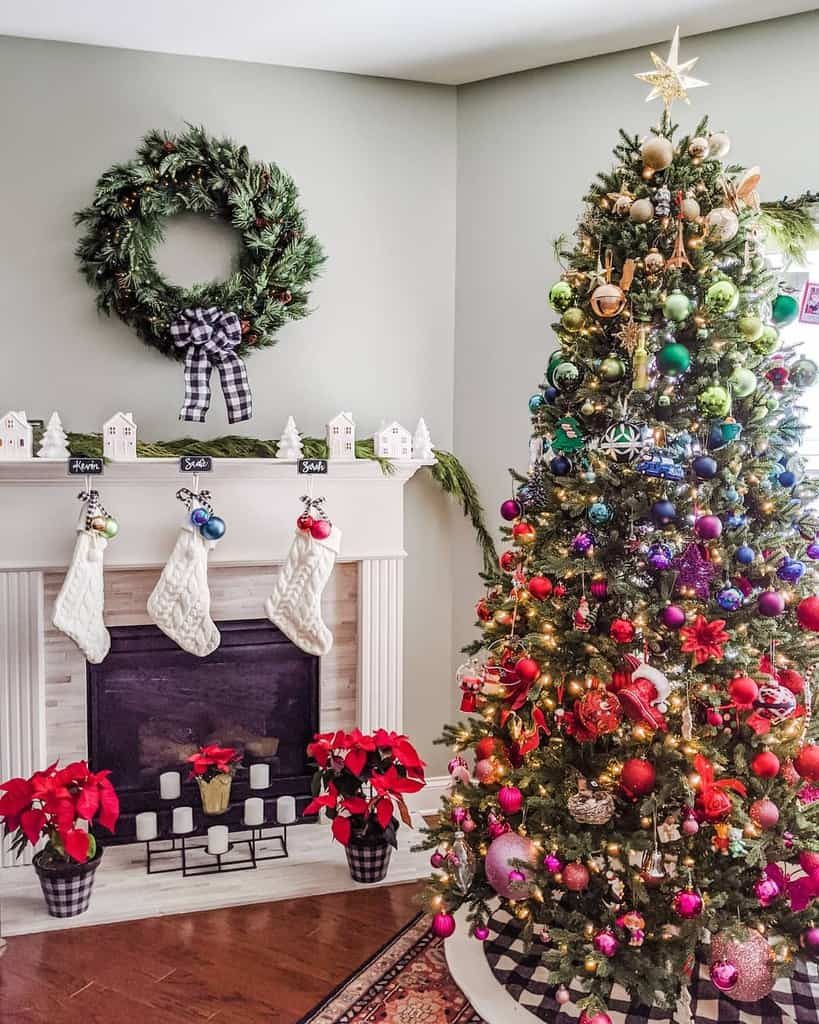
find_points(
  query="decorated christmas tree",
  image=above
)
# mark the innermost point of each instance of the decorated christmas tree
(638, 768)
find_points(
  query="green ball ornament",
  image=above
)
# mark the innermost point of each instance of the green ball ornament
(560, 296)
(673, 359)
(722, 296)
(677, 307)
(573, 320)
(567, 377)
(768, 341)
(743, 382)
(587, 408)
(750, 327)
(536, 402)
(111, 528)
(714, 401)
(804, 373)
(612, 368)
(555, 359)
(784, 310)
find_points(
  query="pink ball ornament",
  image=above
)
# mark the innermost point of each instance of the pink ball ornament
(673, 616)
(708, 527)
(764, 813)
(468, 824)
(510, 799)
(767, 891)
(443, 925)
(724, 975)
(510, 509)
(321, 529)
(516, 878)
(562, 996)
(688, 904)
(458, 815)
(595, 1017)
(552, 862)
(502, 851)
(809, 861)
(606, 942)
(485, 770)
(810, 940)
(481, 932)
(770, 604)
(753, 958)
(690, 826)
(437, 860)
(599, 589)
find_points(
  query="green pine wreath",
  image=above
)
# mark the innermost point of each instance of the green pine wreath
(196, 173)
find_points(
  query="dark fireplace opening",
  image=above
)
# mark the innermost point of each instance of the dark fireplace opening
(151, 704)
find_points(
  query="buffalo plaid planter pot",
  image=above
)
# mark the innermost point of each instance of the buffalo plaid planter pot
(368, 858)
(67, 887)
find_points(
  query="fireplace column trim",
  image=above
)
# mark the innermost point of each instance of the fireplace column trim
(22, 683)
(381, 644)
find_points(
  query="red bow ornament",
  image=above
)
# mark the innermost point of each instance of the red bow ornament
(713, 799)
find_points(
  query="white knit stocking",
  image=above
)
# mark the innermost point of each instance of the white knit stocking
(79, 605)
(295, 604)
(180, 602)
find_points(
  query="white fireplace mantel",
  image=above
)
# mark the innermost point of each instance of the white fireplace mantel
(259, 501)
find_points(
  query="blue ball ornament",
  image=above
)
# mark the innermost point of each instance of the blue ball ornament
(199, 516)
(812, 550)
(663, 512)
(735, 520)
(729, 599)
(536, 402)
(745, 555)
(550, 395)
(213, 529)
(705, 467)
(787, 478)
(791, 570)
(560, 465)
(600, 513)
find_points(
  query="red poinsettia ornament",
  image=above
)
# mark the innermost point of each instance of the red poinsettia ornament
(704, 639)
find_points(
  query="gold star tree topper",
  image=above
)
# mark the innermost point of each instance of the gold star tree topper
(670, 79)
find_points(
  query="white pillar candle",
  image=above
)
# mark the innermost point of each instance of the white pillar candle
(182, 820)
(170, 785)
(218, 839)
(146, 826)
(285, 810)
(259, 776)
(254, 811)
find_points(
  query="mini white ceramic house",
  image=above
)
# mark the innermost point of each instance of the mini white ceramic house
(392, 441)
(119, 437)
(341, 436)
(16, 436)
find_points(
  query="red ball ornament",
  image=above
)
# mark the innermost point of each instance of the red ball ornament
(791, 680)
(713, 717)
(527, 669)
(321, 529)
(485, 771)
(443, 925)
(764, 813)
(524, 533)
(806, 762)
(304, 522)
(637, 777)
(743, 691)
(508, 560)
(576, 876)
(622, 631)
(765, 765)
(482, 611)
(485, 747)
(595, 1017)
(510, 799)
(599, 589)
(539, 587)
(807, 613)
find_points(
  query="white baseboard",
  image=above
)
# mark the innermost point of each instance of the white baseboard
(428, 799)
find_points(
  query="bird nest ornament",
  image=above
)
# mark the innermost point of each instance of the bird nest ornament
(590, 806)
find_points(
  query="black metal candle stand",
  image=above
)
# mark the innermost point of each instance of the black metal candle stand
(186, 851)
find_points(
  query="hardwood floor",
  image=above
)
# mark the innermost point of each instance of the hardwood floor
(262, 964)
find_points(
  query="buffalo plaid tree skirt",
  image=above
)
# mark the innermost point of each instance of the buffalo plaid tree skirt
(794, 999)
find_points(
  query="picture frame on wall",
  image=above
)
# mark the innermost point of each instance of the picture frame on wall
(809, 310)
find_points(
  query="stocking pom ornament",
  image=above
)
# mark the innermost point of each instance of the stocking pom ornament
(295, 604)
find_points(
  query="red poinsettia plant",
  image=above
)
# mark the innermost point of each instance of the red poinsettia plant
(213, 760)
(361, 782)
(51, 803)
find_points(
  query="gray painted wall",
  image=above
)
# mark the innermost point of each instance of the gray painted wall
(375, 163)
(528, 146)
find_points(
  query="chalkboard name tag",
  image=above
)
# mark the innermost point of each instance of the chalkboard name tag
(311, 467)
(82, 466)
(195, 464)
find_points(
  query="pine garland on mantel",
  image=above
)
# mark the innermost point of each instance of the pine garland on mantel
(448, 471)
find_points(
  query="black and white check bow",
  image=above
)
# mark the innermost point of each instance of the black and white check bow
(210, 336)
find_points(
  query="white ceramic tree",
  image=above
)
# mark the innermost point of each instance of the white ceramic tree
(54, 443)
(422, 442)
(290, 446)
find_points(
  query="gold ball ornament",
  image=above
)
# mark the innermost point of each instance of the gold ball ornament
(607, 300)
(645, 822)
(722, 224)
(719, 145)
(698, 147)
(642, 211)
(654, 262)
(657, 152)
(622, 205)
(590, 965)
(613, 849)
(98, 524)
(689, 208)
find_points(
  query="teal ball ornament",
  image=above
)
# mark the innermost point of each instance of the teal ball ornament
(111, 528)
(677, 307)
(199, 516)
(560, 296)
(555, 359)
(600, 513)
(714, 401)
(213, 529)
(804, 373)
(722, 296)
(567, 377)
(536, 402)
(743, 382)
(784, 310)
(673, 360)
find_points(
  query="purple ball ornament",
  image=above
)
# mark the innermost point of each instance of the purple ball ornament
(659, 556)
(673, 616)
(791, 570)
(502, 851)
(810, 940)
(552, 862)
(812, 550)
(767, 891)
(606, 942)
(724, 975)
(770, 604)
(560, 465)
(481, 932)
(199, 516)
(437, 860)
(510, 509)
(730, 599)
(708, 527)
(443, 925)
(582, 543)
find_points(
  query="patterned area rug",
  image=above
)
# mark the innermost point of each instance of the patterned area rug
(406, 982)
